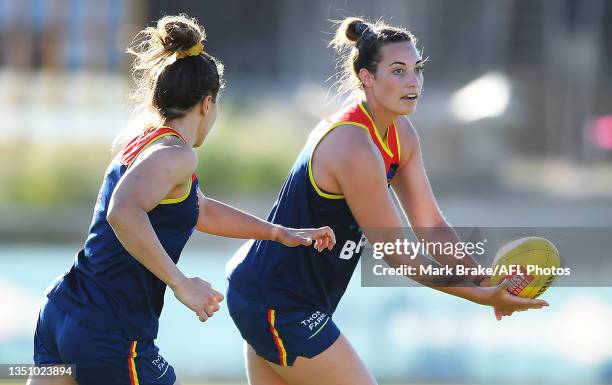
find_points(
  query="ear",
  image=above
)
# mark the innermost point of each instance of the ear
(366, 77)
(205, 104)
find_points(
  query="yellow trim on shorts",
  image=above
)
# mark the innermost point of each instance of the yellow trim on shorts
(132, 369)
(277, 340)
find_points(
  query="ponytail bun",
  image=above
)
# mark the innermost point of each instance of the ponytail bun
(355, 29)
(348, 33)
(178, 33)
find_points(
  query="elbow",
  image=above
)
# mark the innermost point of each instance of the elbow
(112, 217)
(116, 215)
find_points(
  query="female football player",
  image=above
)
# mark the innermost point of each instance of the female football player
(282, 300)
(103, 314)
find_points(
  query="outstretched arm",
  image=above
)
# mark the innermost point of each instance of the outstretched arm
(364, 188)
(220, 219)
(416, 197)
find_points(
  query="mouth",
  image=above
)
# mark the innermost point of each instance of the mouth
(410, 97)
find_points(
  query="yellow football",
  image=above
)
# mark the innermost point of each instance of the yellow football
(528, 264)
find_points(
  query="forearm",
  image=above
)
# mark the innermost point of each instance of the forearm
(133, 229)
(422, 270)
(217, 218)
(444, 234)
(418, 267)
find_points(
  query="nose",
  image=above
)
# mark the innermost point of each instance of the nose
(413, 80)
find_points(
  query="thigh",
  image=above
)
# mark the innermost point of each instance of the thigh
(337, 365)
(258, 369)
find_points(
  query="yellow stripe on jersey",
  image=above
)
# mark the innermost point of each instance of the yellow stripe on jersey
(310, 173)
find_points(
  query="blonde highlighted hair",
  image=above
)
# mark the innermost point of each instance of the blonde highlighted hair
(168, 82)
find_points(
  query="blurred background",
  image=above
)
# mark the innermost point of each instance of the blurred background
(515, 125)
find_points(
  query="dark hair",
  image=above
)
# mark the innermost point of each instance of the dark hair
(359, 44)
(168, 80)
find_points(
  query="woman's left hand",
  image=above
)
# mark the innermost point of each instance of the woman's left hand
(324, 237)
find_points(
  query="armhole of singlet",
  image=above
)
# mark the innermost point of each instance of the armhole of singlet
(168, 201)
(310, 173)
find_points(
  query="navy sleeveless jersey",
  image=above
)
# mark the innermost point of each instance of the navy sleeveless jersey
(107, 288)
(301, 278)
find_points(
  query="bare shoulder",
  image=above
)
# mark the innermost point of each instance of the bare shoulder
(406, 130)
(171, 153)
(409, 139)
(349, 143)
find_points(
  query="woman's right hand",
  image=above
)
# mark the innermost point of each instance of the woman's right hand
(199, 296)
(323, 237)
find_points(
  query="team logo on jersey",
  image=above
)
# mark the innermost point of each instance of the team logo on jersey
(351, 248)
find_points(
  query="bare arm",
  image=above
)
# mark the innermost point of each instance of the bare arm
(217, 218)
(360, 173)
(220, 219)
(148, 181)
(416, 197)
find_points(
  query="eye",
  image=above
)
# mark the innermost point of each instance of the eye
(398, 71)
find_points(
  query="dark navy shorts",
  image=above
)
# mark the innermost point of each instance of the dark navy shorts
(100, 357)
(280, 336)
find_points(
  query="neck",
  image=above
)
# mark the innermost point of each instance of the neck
(186, 126)
(381, 117)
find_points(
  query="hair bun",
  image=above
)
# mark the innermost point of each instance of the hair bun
(179, 33)
(360, 28)
(360, 33)
(353, 28)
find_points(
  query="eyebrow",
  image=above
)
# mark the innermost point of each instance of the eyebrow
(402, 63)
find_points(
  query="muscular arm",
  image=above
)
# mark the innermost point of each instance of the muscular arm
(217, 218)
(360, 173)
(148, 181)
(417, 199)
(154, 174)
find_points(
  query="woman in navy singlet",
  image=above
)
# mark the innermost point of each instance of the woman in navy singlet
(103, 314)
(282, 300)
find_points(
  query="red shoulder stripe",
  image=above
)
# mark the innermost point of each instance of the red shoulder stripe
(136, 145)
(355, 114)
